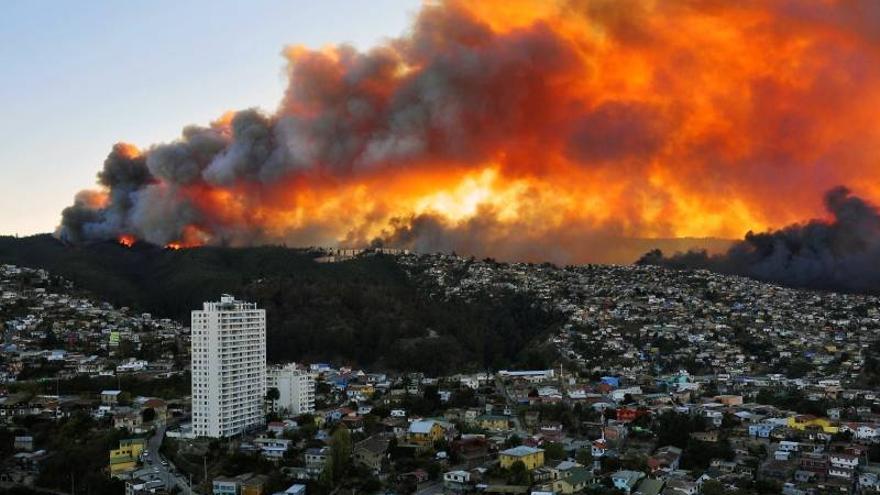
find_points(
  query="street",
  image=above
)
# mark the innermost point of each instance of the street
(163, 472)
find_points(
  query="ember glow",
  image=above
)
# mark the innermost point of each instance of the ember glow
(527, 130)
(127, 241)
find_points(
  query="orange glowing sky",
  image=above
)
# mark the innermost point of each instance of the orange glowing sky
(494, 125)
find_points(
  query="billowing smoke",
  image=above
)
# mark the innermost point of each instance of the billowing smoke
(840, 254)
(527, 129)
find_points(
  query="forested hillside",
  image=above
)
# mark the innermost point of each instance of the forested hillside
(365, 311)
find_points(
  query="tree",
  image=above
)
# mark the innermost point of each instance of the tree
(519, 475)
(148, 415)
(554, 451)
(713, 487)
(584, 456)
(512, 441)
(340, 453)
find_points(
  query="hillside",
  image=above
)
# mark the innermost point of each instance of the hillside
(366, 311)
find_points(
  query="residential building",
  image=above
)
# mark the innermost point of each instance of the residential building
(228, 367)
(424, 433)
(296, 389)
(626, 481)
(456, 481)
(125, 458)
(530, 456)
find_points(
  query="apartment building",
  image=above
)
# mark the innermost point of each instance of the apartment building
(296, 389)
(228, 367)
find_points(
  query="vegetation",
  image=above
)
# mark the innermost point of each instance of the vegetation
(79, 446)
(365, 311)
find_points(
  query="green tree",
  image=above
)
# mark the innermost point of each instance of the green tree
(512, 441)
(340, 453)
(584, 456)
(519, 475)
(713, 487)
(554, 451)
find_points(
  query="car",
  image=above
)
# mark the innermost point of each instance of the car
(164, 462)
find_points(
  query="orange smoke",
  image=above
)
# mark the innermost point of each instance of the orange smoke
(533, 129)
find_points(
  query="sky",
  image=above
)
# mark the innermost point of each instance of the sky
(80, 76)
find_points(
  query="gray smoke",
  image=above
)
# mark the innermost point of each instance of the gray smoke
(842, 254)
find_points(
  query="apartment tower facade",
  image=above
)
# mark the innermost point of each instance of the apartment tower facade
(296, 389)
(228, 367)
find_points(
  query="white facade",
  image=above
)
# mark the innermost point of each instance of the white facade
(296, 389)
(228, 367)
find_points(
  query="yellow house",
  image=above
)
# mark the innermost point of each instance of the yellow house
(804, 421)
(493, 422)
(531, 457)
(365, 390)
(425, 433)
(125, 458)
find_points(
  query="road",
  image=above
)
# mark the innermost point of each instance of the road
(166, 473)
(501, 389)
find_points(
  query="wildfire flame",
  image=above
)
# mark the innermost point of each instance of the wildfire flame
(126, 241)
(528, 129)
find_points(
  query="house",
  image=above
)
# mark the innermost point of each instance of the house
(530, 456)
(681, 487)
(762, 429)
(869, 477)
(473, 450)
(279, 427)
(273, 448)
(315, 459)
(493, 422)
(252, 484)
(129, 420)
(626, 481)
(110, 397)
(425, 432)
(243, 484)
(294, 489)
(224, 486)
(804, 421)
(125, 458)
(630, 414)
(815, 462)
(24, 442)
(665, 459)
(842, 465)
(371, 453)
(574, 480)
(456, 481)
(711, 436)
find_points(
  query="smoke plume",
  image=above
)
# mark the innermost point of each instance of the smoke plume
(527, 129)
(840, 254)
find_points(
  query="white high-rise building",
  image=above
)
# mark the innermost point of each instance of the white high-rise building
(296, 389)
(228, 367)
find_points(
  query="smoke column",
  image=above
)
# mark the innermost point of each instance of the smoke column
(527, 130)
(841, 254)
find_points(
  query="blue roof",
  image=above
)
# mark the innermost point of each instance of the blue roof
(521, 451)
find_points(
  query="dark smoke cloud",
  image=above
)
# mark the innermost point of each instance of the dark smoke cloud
(840, 254)
(643, 116)
(342, 115)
